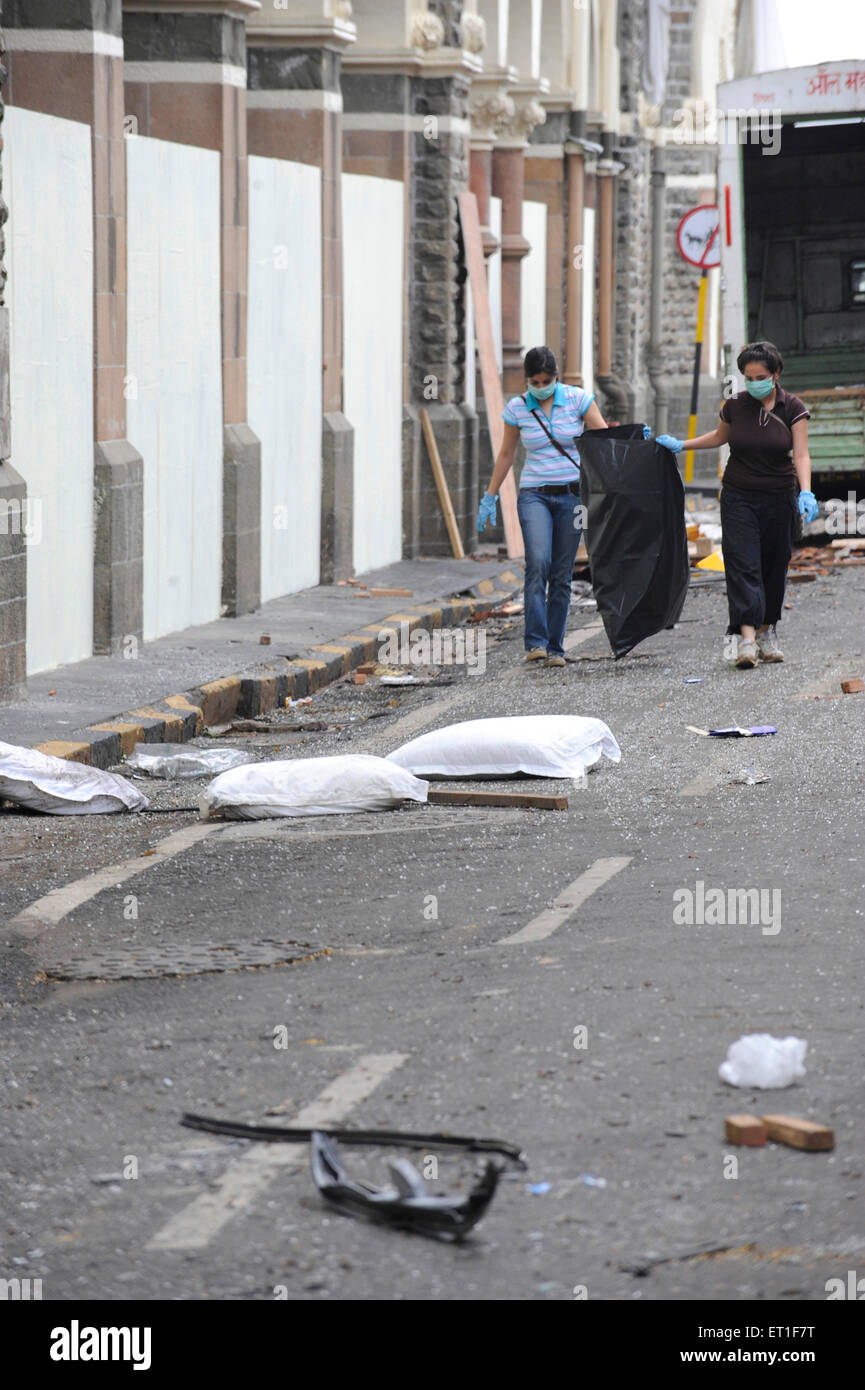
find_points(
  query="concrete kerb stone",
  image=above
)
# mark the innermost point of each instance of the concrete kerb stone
(217, 700)
(74, 751)
(178, 718)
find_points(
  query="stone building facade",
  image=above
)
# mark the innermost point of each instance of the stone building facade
(570, 109)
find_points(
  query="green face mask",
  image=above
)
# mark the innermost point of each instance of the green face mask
(542, 393)
(760, 389)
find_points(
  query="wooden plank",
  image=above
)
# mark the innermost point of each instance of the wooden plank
(442, 485)
(492, 385)
(799, 1134)
(535, 800)
(746, 1129)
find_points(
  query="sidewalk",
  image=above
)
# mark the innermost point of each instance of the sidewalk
(95, 710)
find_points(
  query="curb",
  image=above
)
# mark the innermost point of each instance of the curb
(178, 718)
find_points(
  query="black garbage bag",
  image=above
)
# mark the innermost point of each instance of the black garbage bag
(635, 532)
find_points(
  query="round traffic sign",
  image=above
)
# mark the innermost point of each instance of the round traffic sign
(697, 236)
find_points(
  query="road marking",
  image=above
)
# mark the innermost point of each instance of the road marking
(830, 684)
(48, 911)
(418, 717)
(700, 785)
(244, 1179)
(575, 639)
(568, 901)
(289, 827)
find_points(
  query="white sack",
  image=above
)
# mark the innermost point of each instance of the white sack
(758, 1059)
(544, 745)
(310, 787)
(60, 788)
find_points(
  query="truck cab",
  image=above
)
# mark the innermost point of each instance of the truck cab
(793, 248)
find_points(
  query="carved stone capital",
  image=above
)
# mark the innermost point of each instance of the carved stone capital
(515, 130)
(491, 109)
(427, 30)
(474, 31)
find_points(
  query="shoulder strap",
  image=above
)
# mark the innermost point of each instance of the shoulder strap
(784, 416)
(551, 436)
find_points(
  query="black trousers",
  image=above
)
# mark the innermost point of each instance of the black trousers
(757, 544)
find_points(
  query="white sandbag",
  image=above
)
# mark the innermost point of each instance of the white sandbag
(170, 760)
(544, 745)
(758, 1059)
(310, 787)
(60, 788)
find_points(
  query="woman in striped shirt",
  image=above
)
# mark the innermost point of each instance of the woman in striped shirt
(548, 505)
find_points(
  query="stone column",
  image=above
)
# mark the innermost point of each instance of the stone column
(490, 108)
(407, 86)
(437, 274)
(66, 59)
(508, 180)
(13, 494)
(294, 106)
(572, 374)
(186, 81)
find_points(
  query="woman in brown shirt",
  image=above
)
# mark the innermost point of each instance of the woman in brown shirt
(767, 432)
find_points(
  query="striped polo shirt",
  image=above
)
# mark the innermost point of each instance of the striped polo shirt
(544, 464)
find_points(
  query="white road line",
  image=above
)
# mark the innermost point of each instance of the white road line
(48, 911)
(575, 639)
(289, 829)
(706, 782)
(427, 714)
(829, 684)
(568, 901)
(196, 1225)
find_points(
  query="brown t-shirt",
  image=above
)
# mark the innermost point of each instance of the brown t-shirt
(761, 441)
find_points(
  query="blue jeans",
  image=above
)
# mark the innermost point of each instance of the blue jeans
(551, 539)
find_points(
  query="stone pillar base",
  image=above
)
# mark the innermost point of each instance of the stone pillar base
(241, 521)
(337, 497)
(456, 431)
(13, 584)
(118, 554)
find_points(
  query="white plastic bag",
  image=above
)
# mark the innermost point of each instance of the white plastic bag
(180, 760)
(544, 745)
(758, 1059)
(60, 788)
(310, 787)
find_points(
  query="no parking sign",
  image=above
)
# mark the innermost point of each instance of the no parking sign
(697, 236)
(699, 244)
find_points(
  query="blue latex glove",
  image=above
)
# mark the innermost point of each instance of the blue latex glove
(487, 510)
(647, 433)
(669, 441)
(808, 508)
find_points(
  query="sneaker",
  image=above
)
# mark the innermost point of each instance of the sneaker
(747, 654)
(556, 660)
(536, 654)
(767, 646)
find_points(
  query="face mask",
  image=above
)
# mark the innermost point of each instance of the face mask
(542, 393)
(760, 389)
